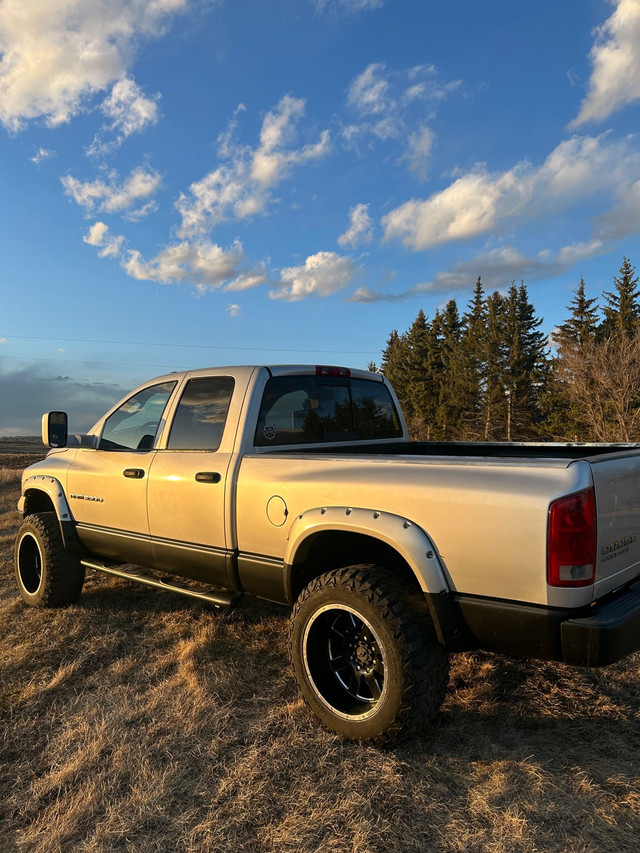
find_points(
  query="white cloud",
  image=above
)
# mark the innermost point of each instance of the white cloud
(42, 154)
(322, 274)
(233, 310)
(615, 79)
(112, 197)
(129, 111)
(241, 187)
(204, 264)
(392, 105)
(498, 268)
(3, 341)
(248, 280)
(98, 236)
(369, 92)
(360, 227)
(418, 152)
(346, 6)
(480, 202)
(57, 54)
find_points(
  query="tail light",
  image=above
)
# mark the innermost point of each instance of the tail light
(326, 370)
(571, 540)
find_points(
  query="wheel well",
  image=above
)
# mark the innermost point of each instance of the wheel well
(37, 501)
(332, 550)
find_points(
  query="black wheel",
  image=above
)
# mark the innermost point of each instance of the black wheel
(365, 655)
(47, 576)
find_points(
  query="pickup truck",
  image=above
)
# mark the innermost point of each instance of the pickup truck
(300, 485)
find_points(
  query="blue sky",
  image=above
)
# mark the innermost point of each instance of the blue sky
(200, 182)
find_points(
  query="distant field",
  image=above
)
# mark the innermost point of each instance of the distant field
(22, 444)
(140, 722)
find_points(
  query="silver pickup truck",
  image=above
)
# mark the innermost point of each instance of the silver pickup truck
(299, 485)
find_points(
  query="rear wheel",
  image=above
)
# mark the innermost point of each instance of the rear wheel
(365, 655)
(46, 575)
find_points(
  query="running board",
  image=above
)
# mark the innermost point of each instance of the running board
(220, 599)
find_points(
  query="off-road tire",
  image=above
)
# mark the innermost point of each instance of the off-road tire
(365, 655)
(47, 576)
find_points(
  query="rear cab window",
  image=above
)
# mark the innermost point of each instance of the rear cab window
(316, 409)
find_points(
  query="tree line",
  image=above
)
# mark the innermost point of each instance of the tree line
(490, 374)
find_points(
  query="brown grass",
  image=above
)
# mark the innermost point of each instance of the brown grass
(139, 721)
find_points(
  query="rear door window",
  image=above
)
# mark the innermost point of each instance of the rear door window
(201, 414)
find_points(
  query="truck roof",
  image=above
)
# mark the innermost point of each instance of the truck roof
(274, 369)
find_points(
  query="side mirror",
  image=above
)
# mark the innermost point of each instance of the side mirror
(54, 429)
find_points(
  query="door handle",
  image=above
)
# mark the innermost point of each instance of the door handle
(208, 477)
(134, 473)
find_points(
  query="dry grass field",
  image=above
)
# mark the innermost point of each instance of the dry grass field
(142, 722)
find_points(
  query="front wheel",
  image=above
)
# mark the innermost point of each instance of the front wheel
(365, 655)
(46, 575)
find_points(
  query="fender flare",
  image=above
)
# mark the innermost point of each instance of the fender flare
(53, 489)
(401, 534)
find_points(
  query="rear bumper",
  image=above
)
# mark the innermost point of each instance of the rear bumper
(610, 631)
(597, 635)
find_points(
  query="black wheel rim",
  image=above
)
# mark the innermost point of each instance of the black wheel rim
(345, 661)
(29, 564)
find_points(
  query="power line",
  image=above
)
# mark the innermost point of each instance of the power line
(182, 346)
(83, 361)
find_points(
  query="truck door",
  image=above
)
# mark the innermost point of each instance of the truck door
(187, 482)
(107, 487)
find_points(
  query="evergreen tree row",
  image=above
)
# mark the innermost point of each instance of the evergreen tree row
(492, 375)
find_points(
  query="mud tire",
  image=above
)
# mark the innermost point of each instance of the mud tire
(47, 576)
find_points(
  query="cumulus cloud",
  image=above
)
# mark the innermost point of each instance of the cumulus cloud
(615, 56)
(498, 268)
(241, 187)
(57, 54)
(480, 202)
(98, 236)
(112, 197)
(128, 111)
(28, 391)
(42, 154)
(360, 228)
(233, 310)
(321, 274)
(204, 264)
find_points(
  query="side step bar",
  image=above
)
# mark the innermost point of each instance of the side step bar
(220, 599)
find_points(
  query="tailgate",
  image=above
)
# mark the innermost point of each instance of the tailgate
(616, 478)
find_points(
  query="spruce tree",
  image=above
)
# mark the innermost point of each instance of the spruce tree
(622, 311)
(563, 415)
(473, 365)
(525, 364)
(393, 357)
(495, 354)
(581, 327)
(450, 378)
(419, 374)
